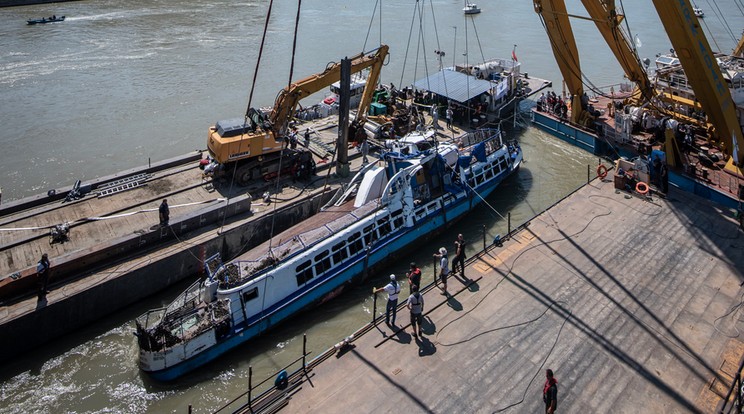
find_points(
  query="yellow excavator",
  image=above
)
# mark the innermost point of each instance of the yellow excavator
(251, 148)
(690, 44)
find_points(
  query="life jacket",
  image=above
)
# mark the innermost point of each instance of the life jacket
(417, 308)
(396, 290)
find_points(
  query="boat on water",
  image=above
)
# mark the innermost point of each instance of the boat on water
(417, 189)
(471, 8)
(476, 93)
(44, 20)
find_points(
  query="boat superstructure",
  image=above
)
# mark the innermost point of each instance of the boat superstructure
(417, 189)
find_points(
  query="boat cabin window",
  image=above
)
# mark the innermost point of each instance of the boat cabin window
(398, 222)
(249, 295)
(339, 252)
(304, 273)
(369, 234)
(502, 164)
(322, 263)
(355, 243)
(384, 226)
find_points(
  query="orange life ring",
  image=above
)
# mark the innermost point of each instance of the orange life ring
(601, 171)
(642, 188)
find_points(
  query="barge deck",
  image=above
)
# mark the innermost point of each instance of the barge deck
(633, 303)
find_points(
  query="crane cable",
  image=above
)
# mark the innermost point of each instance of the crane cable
(281, 153)
(250, 100)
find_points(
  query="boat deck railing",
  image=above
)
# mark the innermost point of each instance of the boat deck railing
(471, 138)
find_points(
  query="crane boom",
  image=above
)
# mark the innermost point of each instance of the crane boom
(606, 18)
(702, 70)
(555, 19)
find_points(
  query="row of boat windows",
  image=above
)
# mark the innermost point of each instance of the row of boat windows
(324, 261)
(490, 170)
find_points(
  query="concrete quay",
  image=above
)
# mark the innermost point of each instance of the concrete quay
(634, 303)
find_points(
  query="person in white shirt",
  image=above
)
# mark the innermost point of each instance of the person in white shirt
(392, 289)
(443, 268)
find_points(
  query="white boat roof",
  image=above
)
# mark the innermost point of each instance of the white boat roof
(454, 85)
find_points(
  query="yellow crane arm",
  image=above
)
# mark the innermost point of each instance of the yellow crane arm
(606, 18)
(739, 49)
(289, 97)
(555, 18)
(701, 69)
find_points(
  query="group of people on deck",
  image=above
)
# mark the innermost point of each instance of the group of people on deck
(415, 301)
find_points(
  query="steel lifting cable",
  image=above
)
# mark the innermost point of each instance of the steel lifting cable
(369, 27)
(281, 154)
(722, 18)
(250, 100)
(408, 44)
(439, 46)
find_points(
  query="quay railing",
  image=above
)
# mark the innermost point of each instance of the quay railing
(736, 401)
(283, 384)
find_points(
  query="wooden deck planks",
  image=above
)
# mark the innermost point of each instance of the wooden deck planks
(630, 291)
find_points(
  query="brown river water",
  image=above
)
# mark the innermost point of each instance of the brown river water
(121, 83)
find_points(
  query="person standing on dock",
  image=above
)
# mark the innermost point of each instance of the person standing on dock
(164, 213)
(364, 149)
(416, 305)
(448, 114)
(434, 116)
(443, 268)
(414, 277)
(459, 255)
(42, 275)
(392, 289)
(550, 392)
(307, 138)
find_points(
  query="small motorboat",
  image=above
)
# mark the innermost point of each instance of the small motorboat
(698, 12)
(43, 20)
(471, 8)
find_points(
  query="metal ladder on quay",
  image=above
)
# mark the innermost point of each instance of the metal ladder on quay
(123, 184)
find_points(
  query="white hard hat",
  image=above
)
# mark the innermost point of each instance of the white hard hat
(392, 277)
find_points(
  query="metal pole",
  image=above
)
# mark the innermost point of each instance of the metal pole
(250, 386)
(588, 173)
(508, 221)
(374, 308)
(484, 237)
(189, 408)
(304, 349)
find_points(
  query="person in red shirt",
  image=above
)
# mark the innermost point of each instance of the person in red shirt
(550, 392)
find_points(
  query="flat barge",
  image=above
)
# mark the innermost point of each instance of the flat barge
(627, 299)
(114, 252)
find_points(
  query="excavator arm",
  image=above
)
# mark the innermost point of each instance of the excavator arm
(702, 71)
(289, 97)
